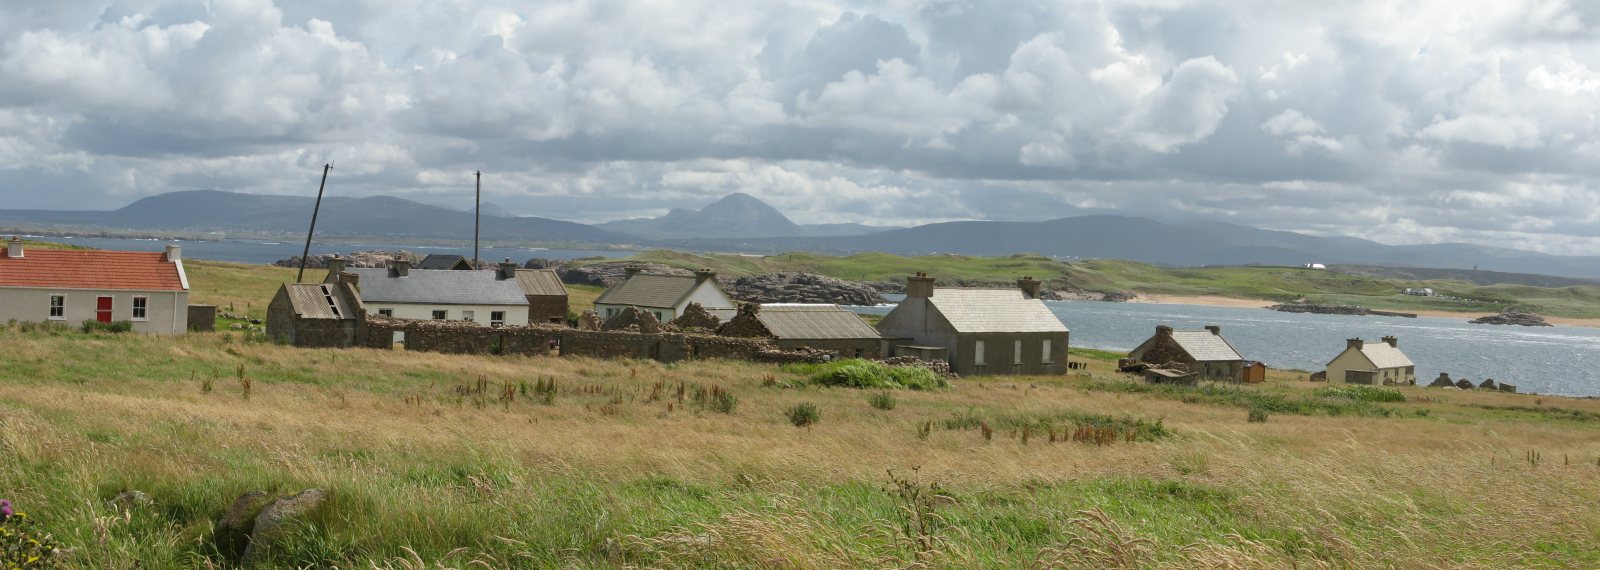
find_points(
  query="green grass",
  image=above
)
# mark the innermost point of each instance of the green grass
(1322, 403)
(858, 373)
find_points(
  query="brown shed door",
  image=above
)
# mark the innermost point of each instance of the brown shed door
(102, 309)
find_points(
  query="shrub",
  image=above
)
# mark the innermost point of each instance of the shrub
(1362, 393)
(715, 399)
(857, 373)
(111, 327)
(1257, 415)
(804, 414)
(882, 400)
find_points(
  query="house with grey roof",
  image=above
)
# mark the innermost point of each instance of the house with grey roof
(442, 261)
(315, 314)
(1204, 353)
(665, 296)
(805, 325)
(490, 298)
(1372, 363)
(982, 331)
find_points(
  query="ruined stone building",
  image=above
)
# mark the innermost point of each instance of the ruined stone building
(315, 314)
(546, 295)
(1204, 352)
(1372, 363)
(442, 261)
(492, 298)
(819, 326)
(978, 331)
(665, 296)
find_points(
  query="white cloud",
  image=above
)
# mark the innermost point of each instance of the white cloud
(1502, 131)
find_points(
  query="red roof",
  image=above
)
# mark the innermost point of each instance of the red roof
(90, 269)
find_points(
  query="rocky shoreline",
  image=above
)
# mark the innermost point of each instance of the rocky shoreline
(1354, 310)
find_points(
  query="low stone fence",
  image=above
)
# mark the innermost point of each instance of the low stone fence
(462, 337)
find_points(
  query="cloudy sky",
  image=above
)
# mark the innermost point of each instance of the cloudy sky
(1403, 122)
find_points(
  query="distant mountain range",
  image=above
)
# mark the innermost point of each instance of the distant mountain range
(736, 215)
(740, 222)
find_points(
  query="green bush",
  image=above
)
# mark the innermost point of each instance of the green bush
(111, 327)
(882, 400)
(857, 373)
(1362, 393)
(804, 414)
(1257, 415)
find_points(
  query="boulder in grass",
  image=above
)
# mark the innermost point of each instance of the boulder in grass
(232, 533)
(275, 521)
(129, 500)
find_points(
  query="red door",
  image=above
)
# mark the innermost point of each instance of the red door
(102, 310)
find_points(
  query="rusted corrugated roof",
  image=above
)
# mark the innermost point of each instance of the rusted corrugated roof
(813, 322)
(317, 301)
(543, 282)
(91, 269)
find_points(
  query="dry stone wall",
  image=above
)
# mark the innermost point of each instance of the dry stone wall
(463, 337)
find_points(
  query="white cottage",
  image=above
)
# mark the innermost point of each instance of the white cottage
(665, 296)
(1372, 363)
(147, 289)
(490, 298)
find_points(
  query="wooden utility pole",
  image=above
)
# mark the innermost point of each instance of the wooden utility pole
(304, 253)
(477, 215)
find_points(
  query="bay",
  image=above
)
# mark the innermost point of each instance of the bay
(266, 252)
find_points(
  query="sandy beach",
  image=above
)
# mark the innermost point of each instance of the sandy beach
(1219, 301)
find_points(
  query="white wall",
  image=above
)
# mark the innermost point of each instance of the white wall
(516, 315)
(168, 311)
(707, 295)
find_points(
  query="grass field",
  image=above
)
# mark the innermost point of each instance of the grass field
(615, 471)
(1280, 284)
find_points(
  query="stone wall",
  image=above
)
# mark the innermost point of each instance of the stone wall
(202, 318)
(844, 347)
(696, 317)
(461, 337)
(547, 309)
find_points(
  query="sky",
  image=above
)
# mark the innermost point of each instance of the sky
(1403, 122)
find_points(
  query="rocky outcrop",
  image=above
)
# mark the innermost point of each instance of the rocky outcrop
(1119, 296)
(1512, 318)
(800, 288)
(1321, 309)
(376, 258)
(612, 273)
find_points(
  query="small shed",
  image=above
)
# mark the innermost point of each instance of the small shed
(1255, 372)
(315, 315)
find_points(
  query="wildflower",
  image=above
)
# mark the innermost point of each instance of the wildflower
(5, 510)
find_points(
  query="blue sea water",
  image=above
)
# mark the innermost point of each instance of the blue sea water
(1549, 360)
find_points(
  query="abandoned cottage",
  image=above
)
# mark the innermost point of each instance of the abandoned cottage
(324, 314)
(1372, 363)
(1204, 352)
(664, 296)
(147, 289)
(978, 331)
(819, 326)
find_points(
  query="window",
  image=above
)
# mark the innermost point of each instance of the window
(58, 306)
(441, 315)
(386, 312)
(977, 353)
(1016, 352)
(141, 308)
(468, 315)
(497, 318)
(1044, 351)
(610, 312)
(660, 317)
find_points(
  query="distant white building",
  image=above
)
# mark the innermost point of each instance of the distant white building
(1314, 266)
(1419, 291)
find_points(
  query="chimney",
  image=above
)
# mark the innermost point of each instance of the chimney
(335, 265)
(508, 270)
(174, 253)
(1391, 341)
(632, 270)
(1030, 288)
(919, 286)
(14, 247)
(704, 275)
(1355, 343)
(400, 267)
(1163, 331)
(1216, 330)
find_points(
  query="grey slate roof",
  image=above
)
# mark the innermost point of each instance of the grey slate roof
(813, 322)
(442, 261)
(438, 287)
(318, 301)
(1384, 356)
(649, 290)
(1205, 347)
(543, 282)
(994, 310)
